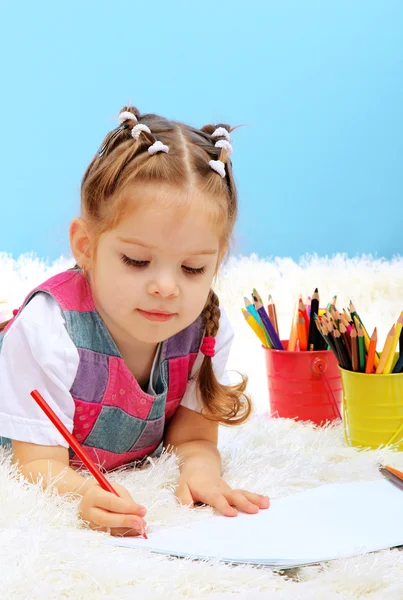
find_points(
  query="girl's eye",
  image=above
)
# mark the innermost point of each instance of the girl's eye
(193, 271)
(131, 262)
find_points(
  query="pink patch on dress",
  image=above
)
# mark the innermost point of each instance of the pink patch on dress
(178, 372)
(130, 398)
(75, 293)
(85, 415)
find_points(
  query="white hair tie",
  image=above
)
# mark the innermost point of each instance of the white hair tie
(225, 145)
(137, 129)
(125, 115)
(157, 147)
(221, 132)
(218, 166)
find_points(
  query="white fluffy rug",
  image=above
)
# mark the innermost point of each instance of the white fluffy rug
(45, 553)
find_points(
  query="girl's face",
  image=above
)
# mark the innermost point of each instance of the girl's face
(153, 273)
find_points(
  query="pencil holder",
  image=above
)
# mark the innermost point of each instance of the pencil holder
(372, 409)
(305, 386)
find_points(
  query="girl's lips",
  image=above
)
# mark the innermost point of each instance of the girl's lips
(155, 316)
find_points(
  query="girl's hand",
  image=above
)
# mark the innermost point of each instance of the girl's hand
(208, 489)
(103, 510)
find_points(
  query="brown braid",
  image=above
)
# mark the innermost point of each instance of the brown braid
(227, 404)
(4, 325)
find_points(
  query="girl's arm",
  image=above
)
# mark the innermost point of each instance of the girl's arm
(49, 463)
(194, 439)
(102, 510)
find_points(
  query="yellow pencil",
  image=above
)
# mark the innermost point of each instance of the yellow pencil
(385, 352)
(255, 326)
(366, 339)
(390, 362)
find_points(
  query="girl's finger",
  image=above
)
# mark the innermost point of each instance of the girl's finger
(183, 494)
(258, 499)
(219, 502)
(104, 518)
(115, 504)
(240, 501)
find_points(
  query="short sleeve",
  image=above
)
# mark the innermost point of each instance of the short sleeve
(224, 339)
(37, 353)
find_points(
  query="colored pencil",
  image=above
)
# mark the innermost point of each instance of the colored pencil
(344, 359)
(255, 327)
(398, 474)
(354, 350)
(344, 320)
(312, 333)
(392, 477)
(391, 358)
(250, 307)
(346, 337)
(275, 340)
(329, 341)
(83, 456)
(335, 315)
(353, 314)
(386, 349)
(361, 348)
(303, 311)
(292, 342)
(302, 338)
(369, 367)
(271, 309)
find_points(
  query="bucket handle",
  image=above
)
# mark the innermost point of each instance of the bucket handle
(320, 365)
(394, 436)
(345, 421)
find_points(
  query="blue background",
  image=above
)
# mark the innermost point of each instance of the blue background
(318, 84)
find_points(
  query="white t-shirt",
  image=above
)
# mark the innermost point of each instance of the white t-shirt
(38, 353)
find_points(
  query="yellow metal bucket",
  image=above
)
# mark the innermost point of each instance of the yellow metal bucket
(372, 409)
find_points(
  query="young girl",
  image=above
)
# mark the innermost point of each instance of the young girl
(130, 347)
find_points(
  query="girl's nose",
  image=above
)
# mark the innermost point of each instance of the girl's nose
(165, 287)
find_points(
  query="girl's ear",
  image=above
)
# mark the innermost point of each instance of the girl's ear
(80, 243)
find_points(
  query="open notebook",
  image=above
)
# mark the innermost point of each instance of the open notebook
(325, 523)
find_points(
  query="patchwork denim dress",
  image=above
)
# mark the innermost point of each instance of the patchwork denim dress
(115, 421)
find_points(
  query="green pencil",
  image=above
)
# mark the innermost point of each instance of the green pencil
(361, 349)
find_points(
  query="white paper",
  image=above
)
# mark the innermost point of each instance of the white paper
(325, 523)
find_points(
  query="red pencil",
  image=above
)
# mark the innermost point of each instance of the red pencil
(103, 482)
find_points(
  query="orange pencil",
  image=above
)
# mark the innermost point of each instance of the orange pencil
(394, 471)
(304, 314)
(302, 336)
(292, 342)
(369, 367)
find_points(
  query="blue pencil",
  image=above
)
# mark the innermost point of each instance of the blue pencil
(275, 340)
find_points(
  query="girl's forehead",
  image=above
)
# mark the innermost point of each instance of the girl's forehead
(160, 209)
(182, 233)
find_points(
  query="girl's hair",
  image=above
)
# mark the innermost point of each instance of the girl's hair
(124, 160)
